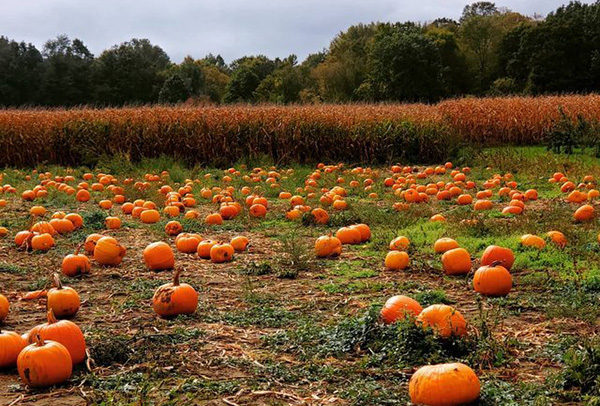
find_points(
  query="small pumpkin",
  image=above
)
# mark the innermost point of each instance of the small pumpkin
(63, 301)
(349, 235)
(397, 260)
(42, 242)
(76, 264)
(495, 253)
(112, 223)
(214, 219)
(158, 256)
(4, 308)
(173, 228)
(365, 231)
(530, 240)
(44, 363)
(398, 307)
(492, 280)
(328, 246)
(150, 216)
(11, 344)
(175, 298)
(399, 243)
(204, 248)
(64, 332)
(444, 320)
(584, 213)
(557, 238)
(187, 243)
(90, 243)
(239, 243)
(445, 244)
(108, 251)
(444, 385)
(457, 261)
(221, 253)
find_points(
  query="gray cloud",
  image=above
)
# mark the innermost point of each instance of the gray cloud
(232, 28)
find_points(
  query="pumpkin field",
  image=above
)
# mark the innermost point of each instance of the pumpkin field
(157, 281)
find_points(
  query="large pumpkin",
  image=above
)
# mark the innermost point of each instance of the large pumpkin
(175, 298)
(63, 301)
(108, 251)
(456, 262)
(44, 363)
(11, 345)
(444, 320)
(158, 256)
(494, 253)
(328, 246)
(76, 264)
(4, 306)
(492, 280)
(398, 307)
(63, 331)
(444, 385)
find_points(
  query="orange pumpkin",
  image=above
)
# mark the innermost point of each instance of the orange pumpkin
(328, 246)
(444, 320)
(221, 253)
(584, 213)
(108, 251)
(530, 240)
(44, 363)
(173, 228)
(492, 280)
(173, 299)
(76, 219)
(76, 264)
(214, 219)
(204, 248)
(239, 243)
(4, 308)
(320, 216)
(494, 253)
(187, 243)
(158, 256)
(399, 243)
(444, 385)
(456, 261)
(64, 332)
(112, 223)
(557, 238)
(398, 307)
(42, 242)
(63, 301)
(397, 260)
(444, 244)
(365, 231)
(150, 216)
(11, 344)
(258, 210)
(348, 235)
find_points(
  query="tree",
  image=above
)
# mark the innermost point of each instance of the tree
(283, 85)
(247, 74)
(174, 90)
(479, 9)
(455, 71)
(133, 72)
(21, 69)
(404, 65)
(67, 72)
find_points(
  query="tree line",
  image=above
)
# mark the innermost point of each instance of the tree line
(489, 51)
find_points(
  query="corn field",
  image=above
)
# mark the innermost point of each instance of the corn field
(223, 135)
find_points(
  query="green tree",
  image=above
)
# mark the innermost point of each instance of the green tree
(405, 65)
(21, 69)
(174, 90)
(133, 72)
(67, 72)
(455, 73)
(284, 85)
(247, 74)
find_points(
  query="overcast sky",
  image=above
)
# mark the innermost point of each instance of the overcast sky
(232, 28)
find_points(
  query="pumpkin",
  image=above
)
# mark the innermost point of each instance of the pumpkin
(38, 211)
(492, 280)
(63, 301)
(43, 227)
(42, 242)
(258, 210)
(44, 363)
(530, 240)
(456, 261)
(83, 196)
(204, 248)
(239, 243)
(444, 385)
(172, 299)
(23, 239)
(557, 238)
(494, 253)
(4, 307)
(398, 307)
(76, 219)
(62, 225)
(328, 246)
(108, 251)
(64, 332)
(444, 244)
(187, 243)
(158, 256)
(349, 235)
(396, 260)
(90, 243)
(221, 252)
(584, 213)
(150, 216)
(438, 217)
(483, 204)
(112, 223)
(214, 219)
(76, 264)
(173, 228)
(444, 320)
(399, 243)
(320, 216)
(11, 344)
(365, 231)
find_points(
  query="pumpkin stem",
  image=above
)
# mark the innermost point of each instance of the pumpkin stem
(57, 281)
(176, 276)
(51, 317)
(496, 263)
(39, 342)
(79, 248)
